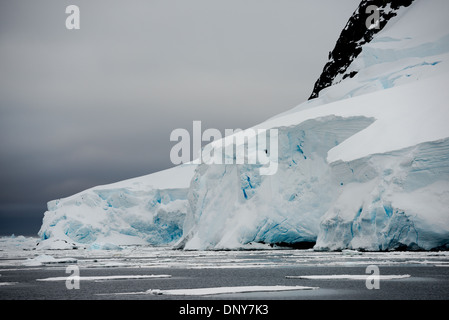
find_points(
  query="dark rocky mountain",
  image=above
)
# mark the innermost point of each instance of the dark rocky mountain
(353, 37)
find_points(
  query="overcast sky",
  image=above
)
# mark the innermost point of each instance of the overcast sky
(80, 108)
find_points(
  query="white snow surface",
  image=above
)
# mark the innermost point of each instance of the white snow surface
(363, 166)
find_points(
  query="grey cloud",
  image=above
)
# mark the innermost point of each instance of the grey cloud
(85, 107)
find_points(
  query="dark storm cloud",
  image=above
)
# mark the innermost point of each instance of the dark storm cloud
(85, 107)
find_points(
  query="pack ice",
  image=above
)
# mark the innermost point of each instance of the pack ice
(364, 165)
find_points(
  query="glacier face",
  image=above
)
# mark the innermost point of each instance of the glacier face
(233, 205)
(140, 211)
(347, 174)
(381, 185)
(363, 166)
(394, 200)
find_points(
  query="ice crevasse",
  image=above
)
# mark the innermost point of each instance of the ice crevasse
(365, 165)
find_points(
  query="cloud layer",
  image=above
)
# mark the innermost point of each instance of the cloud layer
(85, 107)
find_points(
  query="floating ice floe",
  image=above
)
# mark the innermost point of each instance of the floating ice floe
(349, 277)
(7, 283)
(46, 260)
(350, 252)
(104, 278)
(220, 290)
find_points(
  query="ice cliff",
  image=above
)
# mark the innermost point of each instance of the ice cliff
(364, 164)
(140, 211)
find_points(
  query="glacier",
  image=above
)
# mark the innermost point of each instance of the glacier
(140, 211)
(364, 165)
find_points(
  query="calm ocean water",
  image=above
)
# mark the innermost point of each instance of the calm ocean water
(429, 276)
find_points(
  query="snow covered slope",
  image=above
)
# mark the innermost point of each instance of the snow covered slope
(364, 165)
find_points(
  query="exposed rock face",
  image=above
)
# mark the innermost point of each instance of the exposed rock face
(353, 37)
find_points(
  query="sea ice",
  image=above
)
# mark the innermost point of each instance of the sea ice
(349, 277)
(105, 278)
(221, 290)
